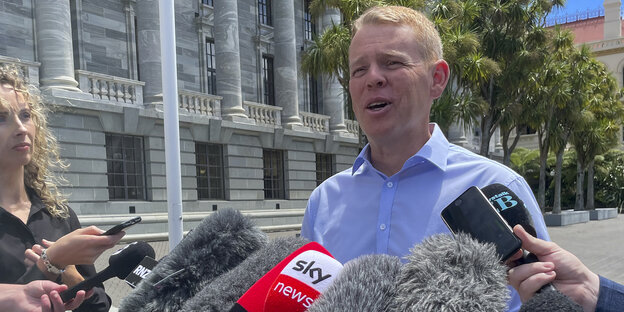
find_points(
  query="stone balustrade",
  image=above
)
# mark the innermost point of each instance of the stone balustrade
(609, 44)
(352, 126)
(29, 70)
(111, 88)
(316, 122)
(263, 114)
(200, 103)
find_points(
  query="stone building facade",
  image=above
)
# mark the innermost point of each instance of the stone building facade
(255, 133)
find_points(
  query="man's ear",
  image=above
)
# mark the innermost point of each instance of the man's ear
(440, 72)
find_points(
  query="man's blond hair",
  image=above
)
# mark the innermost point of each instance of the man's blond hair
(425, 32)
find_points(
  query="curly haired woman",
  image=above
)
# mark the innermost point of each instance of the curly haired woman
(40, 236)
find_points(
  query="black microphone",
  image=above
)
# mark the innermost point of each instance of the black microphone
(513, 210)
(120, 264)
(366, 283)
(510, 206)
(223, 292)
(219, 243)
(446, 274)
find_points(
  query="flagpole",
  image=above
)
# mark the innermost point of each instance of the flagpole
(172, 131)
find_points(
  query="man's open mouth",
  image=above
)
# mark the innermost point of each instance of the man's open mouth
(377, 105)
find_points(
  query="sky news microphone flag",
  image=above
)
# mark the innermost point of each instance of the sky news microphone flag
(302, 280)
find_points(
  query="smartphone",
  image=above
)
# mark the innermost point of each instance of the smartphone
(122, 226)
(473, 214)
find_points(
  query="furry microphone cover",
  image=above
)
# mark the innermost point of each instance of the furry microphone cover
(452, 274)
(550, 301)
(220, 242)
(367, 283)
(223, 292)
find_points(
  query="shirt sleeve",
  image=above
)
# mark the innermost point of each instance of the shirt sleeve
(610, 296)
(99, 301)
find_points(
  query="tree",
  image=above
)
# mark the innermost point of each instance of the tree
(506, 29)
(610, 179)
(598, 127)
(545, 102)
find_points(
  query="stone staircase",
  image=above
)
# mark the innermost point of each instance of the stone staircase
(153, 226)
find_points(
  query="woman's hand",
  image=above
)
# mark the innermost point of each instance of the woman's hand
(39, 295)
(81, 246)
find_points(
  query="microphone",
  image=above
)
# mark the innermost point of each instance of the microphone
(219, 243)
(446, 274)
(550, 301)
(513, 210)
(302, 280)
(366, 283)
(120, 264)
(510, 206)
(247, 278)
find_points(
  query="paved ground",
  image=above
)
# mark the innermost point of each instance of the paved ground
(599, 244)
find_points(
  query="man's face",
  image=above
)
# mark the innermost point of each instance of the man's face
(391, 86)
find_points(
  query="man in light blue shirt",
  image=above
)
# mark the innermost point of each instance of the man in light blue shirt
(393, 195)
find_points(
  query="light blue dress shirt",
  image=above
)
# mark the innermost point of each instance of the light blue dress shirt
(362, 211)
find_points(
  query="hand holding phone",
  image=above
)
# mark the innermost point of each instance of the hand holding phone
(122, 226)
(472, 213)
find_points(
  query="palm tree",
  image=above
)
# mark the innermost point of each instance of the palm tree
(597, 129)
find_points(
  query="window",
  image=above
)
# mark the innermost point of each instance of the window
(136, 48)
(309, 28)
(124, 161)
(267, 77)
(211, 68)
(324, 167)
(313, 95)
(209, 168)
(264, 12)
(208, 2)
(273, 174)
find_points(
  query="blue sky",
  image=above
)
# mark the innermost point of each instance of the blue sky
(574, 6)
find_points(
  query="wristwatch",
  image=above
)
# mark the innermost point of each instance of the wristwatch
(51, 268)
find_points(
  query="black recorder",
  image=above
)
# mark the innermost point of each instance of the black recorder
(473, 214)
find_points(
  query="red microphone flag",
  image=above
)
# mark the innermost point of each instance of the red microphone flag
(254, 299)
(301, 281)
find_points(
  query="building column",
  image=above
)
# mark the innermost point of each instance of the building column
(285, 63)
(148, 47)
(333, 99)
(54, 45)
(227, 57)
(612, 21)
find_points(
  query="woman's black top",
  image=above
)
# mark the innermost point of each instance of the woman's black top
(16, 237)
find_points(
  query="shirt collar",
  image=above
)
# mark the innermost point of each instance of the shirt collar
(434, 151)
(36, 204)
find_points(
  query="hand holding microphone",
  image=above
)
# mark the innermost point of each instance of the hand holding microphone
(558, 266)
(121, 263)
(548, 298)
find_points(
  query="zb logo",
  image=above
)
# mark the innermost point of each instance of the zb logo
(505, 202)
